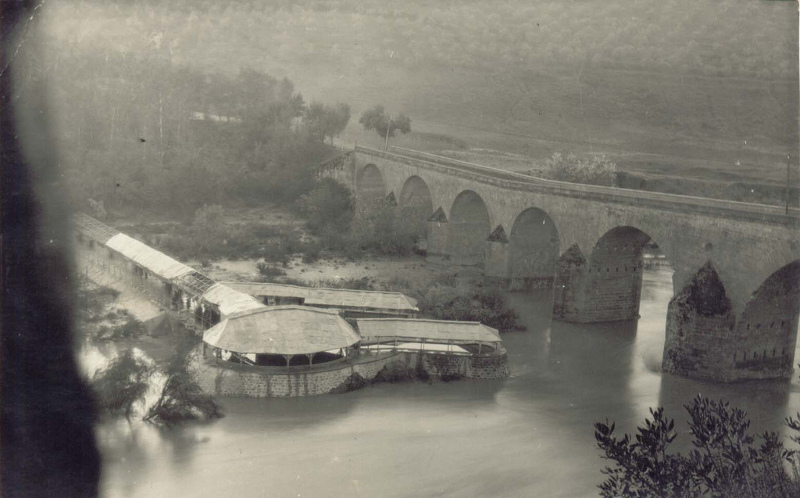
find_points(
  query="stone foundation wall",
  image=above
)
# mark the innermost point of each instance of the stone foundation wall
(227, 379)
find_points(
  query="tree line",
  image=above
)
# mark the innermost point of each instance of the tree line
(140, 133)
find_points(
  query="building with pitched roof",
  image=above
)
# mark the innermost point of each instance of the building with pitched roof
(352, 303)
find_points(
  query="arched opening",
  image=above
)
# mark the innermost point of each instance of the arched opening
(607, 286)
(617, 266)
(370, 187)
(469, 227)
(416, 204)
(769, 323)
(533, 251)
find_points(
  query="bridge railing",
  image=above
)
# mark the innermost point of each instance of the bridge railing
(519, 181)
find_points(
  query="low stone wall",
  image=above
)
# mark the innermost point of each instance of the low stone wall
(222, 378)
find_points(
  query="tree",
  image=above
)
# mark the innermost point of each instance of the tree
(338, 119)
(181, 399)
(330, 204)
(725, 462)
(208, 226)
(384, 125)
(323, 121)
(314, 119)
(122, 383)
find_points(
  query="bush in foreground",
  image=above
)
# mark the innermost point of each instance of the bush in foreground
(726, 461)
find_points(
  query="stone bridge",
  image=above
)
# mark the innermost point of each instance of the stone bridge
(736, 283)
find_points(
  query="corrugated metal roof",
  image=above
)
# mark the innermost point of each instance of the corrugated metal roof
(438, 330)
(230, 301)
(319, 296)
(147, 257)
(93, 228)
(282, 330)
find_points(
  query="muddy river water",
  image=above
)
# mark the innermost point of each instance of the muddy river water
(530, 435)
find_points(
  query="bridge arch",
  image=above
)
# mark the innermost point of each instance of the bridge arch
(533, 247)
(416, 203)
(767, 329)
(606, 286)
(616, 267)
(370, 186)
(470, 225)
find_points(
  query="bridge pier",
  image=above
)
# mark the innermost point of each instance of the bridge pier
(495, 269)
(438, 233)
(606, 289)
(706, 340)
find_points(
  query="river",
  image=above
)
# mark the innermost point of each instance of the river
(530, 435)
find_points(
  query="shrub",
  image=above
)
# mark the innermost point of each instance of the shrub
(392, 373)
(269, 272)
(329, 206)
(181, 399)
(276, 253)
(726, 462)
(354, 283)
(352, 383)
(208, 227)
(311, 252)
(595, 171)
(130, 329)
(383, 229)
(122, 383)
(468, 303)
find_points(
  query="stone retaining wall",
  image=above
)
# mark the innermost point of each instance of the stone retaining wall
(228, 379)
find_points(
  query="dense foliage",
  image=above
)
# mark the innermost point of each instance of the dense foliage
(447, 299)
(181, 399)
(726, 460)
(129, 376)
(140, 133)
(596, 170)
(380, 228)
(328, 206)
(385, 125)
(326, 121)
(123, 383)
(383, 229)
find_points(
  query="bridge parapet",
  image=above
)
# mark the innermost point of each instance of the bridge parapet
(654, 200)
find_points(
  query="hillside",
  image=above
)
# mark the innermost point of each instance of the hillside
(684, 90)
